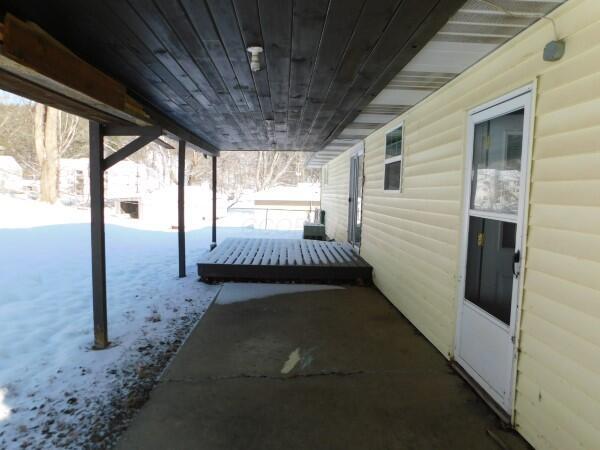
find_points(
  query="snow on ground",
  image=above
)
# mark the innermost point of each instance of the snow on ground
(55, 391)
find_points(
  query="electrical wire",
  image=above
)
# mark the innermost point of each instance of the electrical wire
(512, 14)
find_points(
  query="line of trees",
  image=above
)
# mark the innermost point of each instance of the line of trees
(38, 136)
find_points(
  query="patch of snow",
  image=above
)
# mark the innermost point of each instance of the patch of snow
(55, 391)
(4, 409)
(243, 292)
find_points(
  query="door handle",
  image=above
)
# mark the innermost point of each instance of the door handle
(516, 260)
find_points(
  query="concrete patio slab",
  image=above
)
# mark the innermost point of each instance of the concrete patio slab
(315, 369)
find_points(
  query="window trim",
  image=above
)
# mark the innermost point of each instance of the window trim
(394, 159)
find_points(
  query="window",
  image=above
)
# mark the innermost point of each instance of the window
(496, 180)
(393, 160)
(324, 176)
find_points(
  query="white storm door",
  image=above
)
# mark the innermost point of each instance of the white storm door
(495, 199)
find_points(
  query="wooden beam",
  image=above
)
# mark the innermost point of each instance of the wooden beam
(164, 144)
(25, 88)
(128, 150)
(32, 47)
(133, 130)
(181, 208)
(97, 235)
(38, 84)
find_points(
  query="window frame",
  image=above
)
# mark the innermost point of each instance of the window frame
(394, 159)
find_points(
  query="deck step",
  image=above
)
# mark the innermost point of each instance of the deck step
(285, 260)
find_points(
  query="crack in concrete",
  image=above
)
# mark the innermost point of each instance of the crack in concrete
(268, 377)
(325, 373)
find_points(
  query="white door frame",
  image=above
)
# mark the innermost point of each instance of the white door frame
(357, 149)
(355, 152)
(522, 98)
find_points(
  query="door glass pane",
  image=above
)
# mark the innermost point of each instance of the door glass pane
(497, 152)
(489, 278)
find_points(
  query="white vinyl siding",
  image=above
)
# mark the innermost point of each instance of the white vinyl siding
(412, 240)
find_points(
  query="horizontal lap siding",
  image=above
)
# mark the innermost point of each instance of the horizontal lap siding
(558, 384)
(412, 238)
(334, 197)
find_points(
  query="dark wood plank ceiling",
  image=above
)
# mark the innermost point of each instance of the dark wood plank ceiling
(324, 60)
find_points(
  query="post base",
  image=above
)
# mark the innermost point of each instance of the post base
(100, 344)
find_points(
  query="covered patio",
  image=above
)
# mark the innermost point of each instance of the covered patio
(281, 366)
(215, 76)
(306, 366)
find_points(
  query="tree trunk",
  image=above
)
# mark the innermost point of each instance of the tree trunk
(45, 129)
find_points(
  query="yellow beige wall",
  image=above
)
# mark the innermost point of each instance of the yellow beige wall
(334, 197)
(412, 238)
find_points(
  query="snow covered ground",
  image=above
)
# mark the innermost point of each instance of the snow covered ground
(55, 392)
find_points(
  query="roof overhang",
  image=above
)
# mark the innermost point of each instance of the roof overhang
(183, 65)
(476, 30)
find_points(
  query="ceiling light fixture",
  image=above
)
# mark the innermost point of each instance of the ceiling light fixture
(255, 52)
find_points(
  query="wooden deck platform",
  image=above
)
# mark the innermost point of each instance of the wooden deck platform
(285, 260)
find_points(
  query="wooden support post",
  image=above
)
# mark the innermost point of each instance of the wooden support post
(97, 235)
(214, 203)
(180, 207)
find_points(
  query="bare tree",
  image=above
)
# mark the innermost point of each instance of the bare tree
(68, 125)
(198, 168)
(54, 132)
(16, 137)
(45, 130)
(272, 166)
(26, 132)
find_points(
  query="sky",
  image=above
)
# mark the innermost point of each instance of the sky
(6, 98)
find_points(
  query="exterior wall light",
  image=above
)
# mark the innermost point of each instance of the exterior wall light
(255, 52)
(554, 50)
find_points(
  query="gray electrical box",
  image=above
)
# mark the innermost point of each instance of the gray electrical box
(314, 231)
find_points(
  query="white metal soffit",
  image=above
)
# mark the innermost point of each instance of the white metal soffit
(477, 29)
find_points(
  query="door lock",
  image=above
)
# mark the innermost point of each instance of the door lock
(480, 239)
